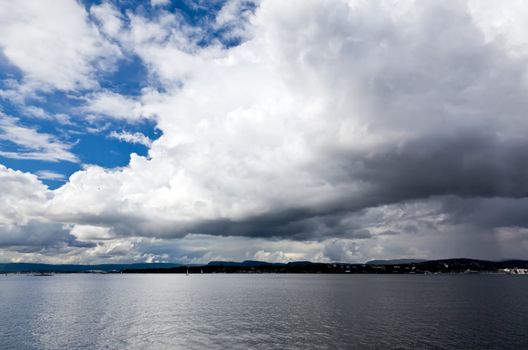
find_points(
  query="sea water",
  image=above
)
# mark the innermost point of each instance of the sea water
(263, 311)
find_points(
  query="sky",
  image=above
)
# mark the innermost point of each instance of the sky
(334, 131)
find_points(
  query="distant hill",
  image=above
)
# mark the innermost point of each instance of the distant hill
(400, 266)
(463, 264)
(71, 268)
(394, 261)
(243, 263)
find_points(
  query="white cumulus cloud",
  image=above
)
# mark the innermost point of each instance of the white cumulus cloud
(33, 144)
(136, 137)
(338, 130)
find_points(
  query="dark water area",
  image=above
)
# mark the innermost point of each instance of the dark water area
(268, 311)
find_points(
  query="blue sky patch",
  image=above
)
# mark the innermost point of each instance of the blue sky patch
(62, 117)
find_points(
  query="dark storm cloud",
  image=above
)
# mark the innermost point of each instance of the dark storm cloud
(487, 212)
(293, 224)
(389, 233)
(464, 164)
(298, 224)
(36, 236)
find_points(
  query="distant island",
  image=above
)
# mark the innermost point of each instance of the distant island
(400, 266)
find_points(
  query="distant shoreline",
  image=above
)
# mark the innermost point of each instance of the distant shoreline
(445, 266)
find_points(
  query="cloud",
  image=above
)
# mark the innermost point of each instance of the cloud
(39, 113)
(333, 131)
(23, 226)
(32, 144)
(50, 175)
(285, 135)
(36, 112)
(53, 44)
(113, 105)
(109, 18)
(136, 137)
(159, 2)
(233, 19)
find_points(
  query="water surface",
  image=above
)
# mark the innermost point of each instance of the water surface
(268, 311)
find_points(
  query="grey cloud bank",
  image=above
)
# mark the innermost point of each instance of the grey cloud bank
(337, 130)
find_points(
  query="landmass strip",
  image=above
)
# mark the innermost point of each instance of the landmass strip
(401, 266)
